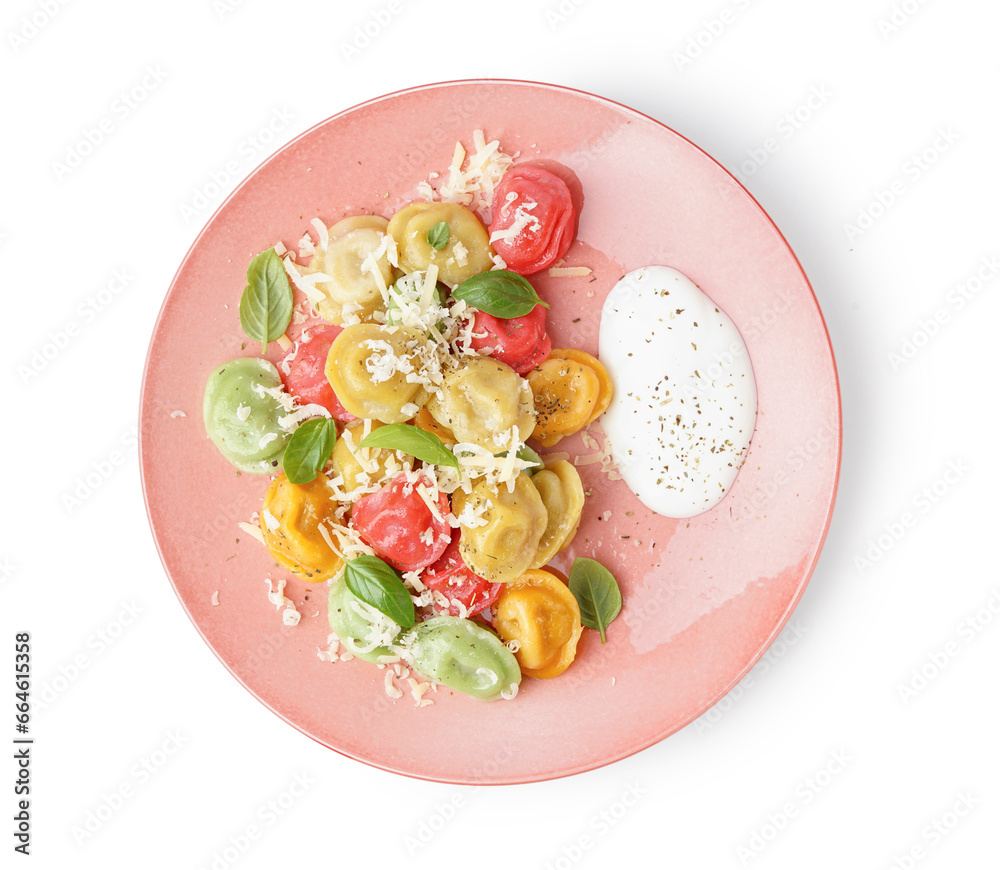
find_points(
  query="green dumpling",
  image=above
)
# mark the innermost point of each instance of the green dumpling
(465, 657)
(242, 422)
(349, 624)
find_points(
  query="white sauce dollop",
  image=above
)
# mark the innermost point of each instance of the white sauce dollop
(685, 399)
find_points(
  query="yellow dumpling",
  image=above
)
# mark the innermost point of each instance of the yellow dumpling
(360, 466)
(500, 529)
(368, 366)
(561, 490)
(482, 398)
(571, 390)
(466, 253)
(541, 614)
(291, 517)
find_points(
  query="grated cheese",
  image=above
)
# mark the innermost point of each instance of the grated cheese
(349, 313)
(472, 517)
(474, 183)
(418, 690)
(569, 271)
(412, 579)
(330, 654)
(289, 615)
(430, 500)
(523, 220)
(370, 265)
(307, 283)
(270, 520)
(290, 422)
(306, 246)
(322, 232)
(430, 285)
(475, 461)
(490, 674)
(454, 189)
(252, 530)
(390, 689)
(426, 191)
(349, 543)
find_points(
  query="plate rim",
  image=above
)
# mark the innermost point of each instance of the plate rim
(143, 413)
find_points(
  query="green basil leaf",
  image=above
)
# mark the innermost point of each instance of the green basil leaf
(438, 235)
(597, 593)
(309, 449)
(266, 304)
(499, 293)
(426, 446)
(377, 584)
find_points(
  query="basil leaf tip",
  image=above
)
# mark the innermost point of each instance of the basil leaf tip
(597, 593)
(267, 300)
(500, 293)
(425, 446)
(377, 584)
(438, 235)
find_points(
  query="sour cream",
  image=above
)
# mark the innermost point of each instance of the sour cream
(685, 399)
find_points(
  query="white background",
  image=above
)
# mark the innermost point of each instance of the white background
(834, 752)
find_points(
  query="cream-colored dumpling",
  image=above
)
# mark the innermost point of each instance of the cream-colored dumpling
(357, 222)
(482, 398)
(352, 241)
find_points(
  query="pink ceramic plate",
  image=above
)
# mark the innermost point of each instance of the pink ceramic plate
(703, 598)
